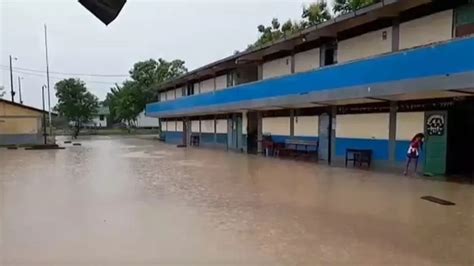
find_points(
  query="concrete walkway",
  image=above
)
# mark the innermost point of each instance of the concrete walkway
(125, 201)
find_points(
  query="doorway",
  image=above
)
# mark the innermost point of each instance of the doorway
(233, 135)
(252, 132)
(460, 148)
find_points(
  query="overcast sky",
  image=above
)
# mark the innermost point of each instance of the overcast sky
(196, 31)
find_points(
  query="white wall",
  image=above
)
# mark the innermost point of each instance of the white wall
(207, 85)
(163, 96)
(276, 125)
(164, 126)
(196, 87)
(170, 95)
(195, 126)
(306, 126)
(409, 124)
(366, 45)
(207, 126)
(179, 92)
(221, 82)
(146, 121)
(307, 60)
(171, 126)
(96, 122)
(429, 29)
(363, 126)
(277, 67)
(179, 126)
(221, 126)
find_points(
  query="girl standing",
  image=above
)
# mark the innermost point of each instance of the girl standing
(414, 151)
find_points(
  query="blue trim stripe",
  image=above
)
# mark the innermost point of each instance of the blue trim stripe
(207, 138)
(173, 137)
(379, 147)
(437, 60)
(221, 138)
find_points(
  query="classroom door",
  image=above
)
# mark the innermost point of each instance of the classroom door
(324, 136)
(252, 132)
(435, 143)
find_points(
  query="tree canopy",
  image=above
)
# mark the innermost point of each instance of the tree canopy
(127, 100)
(75, 102)
(312, 14)
(345, 6)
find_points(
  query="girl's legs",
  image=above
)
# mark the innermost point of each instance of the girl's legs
(408, 165)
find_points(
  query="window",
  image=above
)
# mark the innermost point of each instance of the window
(230, 79)
(101, 117)
(190, 89)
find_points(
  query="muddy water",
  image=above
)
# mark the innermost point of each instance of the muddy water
(124, 201)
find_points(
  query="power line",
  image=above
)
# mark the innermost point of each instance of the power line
(60, 78)
(68, 74)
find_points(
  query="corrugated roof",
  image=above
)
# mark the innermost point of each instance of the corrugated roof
(22, 106)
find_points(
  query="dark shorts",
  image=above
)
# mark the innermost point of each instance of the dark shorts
(413, 155)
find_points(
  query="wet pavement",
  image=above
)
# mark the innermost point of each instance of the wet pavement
(127, 201)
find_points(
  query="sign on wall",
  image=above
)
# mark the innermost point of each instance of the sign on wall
(435, 125)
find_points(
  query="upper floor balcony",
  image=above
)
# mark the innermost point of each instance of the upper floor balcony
(445, 66)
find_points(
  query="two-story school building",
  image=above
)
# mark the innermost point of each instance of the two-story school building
(370, 79)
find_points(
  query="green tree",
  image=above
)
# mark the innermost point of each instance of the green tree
(75, 102)
(316, 13)
(312, 14)
(126, 101)
(345, 6)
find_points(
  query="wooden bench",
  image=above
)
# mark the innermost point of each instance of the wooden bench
(297, 148)
(359, 156)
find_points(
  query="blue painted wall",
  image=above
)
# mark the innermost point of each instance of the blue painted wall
(207, 139)
(173, 137)
(221, 139)
(379, 147)
(439, 60)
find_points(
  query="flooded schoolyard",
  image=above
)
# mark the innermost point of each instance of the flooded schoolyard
(129, 201)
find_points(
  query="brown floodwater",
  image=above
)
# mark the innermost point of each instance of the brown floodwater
(130, 201)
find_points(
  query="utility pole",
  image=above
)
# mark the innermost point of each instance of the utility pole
(45, 134)
(47, 77)
(12, 91)
(19, 89)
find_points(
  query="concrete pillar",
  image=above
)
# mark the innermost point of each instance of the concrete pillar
(292, 122)
(215, 130)
(259, 133)
(396, 35)
(392, 132)
(215, 84)
(333, 114)
(292, 63)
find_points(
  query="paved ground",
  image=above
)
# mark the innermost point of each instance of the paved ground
(119, 201)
